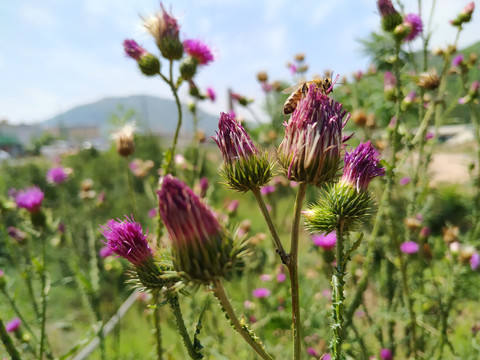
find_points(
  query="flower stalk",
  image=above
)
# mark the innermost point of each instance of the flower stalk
(338, 296)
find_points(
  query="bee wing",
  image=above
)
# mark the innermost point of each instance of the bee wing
(292, 89)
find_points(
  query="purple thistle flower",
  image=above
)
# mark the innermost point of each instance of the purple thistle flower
(265, 277)
(13, 325)
(386, 354)
(232, 206)
(414, 22)
(165, 29)
(261, 293)
(389, 81)
(211, 94)
(31, 199)
(126, 239)
(312, 352)
(327, 242)
(281, 277)
(311, 149)
(386, 8)
(133, 50)
(56, 175)
(362, 164)
(390, 17)
(152, 212)
(202, 249)
(457, 60)
(409, 247)
(203, 185)
(475, 261)
(199, 51)
(267, 189)
(327, 356)
(404, 181)
(411, 97)
(233, 140)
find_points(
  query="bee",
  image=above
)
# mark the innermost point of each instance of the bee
(298, 91)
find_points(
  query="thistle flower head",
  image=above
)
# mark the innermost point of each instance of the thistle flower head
(126, 239)
(389, 81)
(124, 139)
(362, 165)
(56, 175)
(261, 293)
(211, 94)
(13, 325)
(429, 80)
(311, 149)
(465, 16)
(457, 60)
(244, 166)
(415, 25)
(164, 28)
(409, 247)
(386, 354)
(202, 249)
(199, 51)
(472, 93)
(30, 198)
(325, 241)
(390, 17)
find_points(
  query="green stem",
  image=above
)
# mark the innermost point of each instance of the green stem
(266, 215)
(28, 276)
(179, 122)
(338, 297)
(7, 341)
(43, 300)
(240, 327)
(158, 332)
(177, 312)
(130, 188)
(293, 270)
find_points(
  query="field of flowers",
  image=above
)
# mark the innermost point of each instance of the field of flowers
(321, 235)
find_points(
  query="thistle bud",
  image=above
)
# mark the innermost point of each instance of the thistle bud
(389, 85)
(124, 140)
(188, 68)
(347, 202)
(164, 28)
(262, 76)
(148, 63)
(311, 149)
(201, 247)
(409, 29)
(472, 93)
(465, 16)
(244, 167)
(126, 239)
(390, 17)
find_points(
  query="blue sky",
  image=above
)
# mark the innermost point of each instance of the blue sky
(57, 54)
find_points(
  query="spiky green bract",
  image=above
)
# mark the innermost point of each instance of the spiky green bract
(202, 249)
(390, 17)
(155, 274)
(247, 173)
(340, 202)
(149, 65)
(245, 167)
(311, 149)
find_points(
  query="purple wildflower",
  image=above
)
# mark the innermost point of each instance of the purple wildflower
(386, 8)
(233, 140)
(409, 247)
(312, 352)
(472, 93)
(13, 325)
(165, 29)
(133, 50)
(386, 354)
(16, 234)
(232, 206)
(211, 94)
(327, 356)
(152, 212)
(411, 97)
(201, 247)
(362, 164)
(281, 277)
(425, 232)
(327, 242)
(203, 185)
(389, 81)
(261, 293)
(414, 22)
(126, 239)
(311, 149)
(30, 199)
(199, 51)
(265, 277)
(404, 181)
(267, 189)
(475, 261)
(390, 17)
(429, 135)
(56, 175)
(457, 60)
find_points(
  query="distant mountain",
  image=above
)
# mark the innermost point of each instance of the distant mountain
(149, 112)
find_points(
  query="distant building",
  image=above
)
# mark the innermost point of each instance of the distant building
(77, 135)
(14, 138)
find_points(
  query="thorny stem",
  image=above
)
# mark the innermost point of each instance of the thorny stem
(338, 297)
(158, 332)
(7, 341)
(276, 239)
(241, 328)
(43, 299)
(293, 270)
(175, 306)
